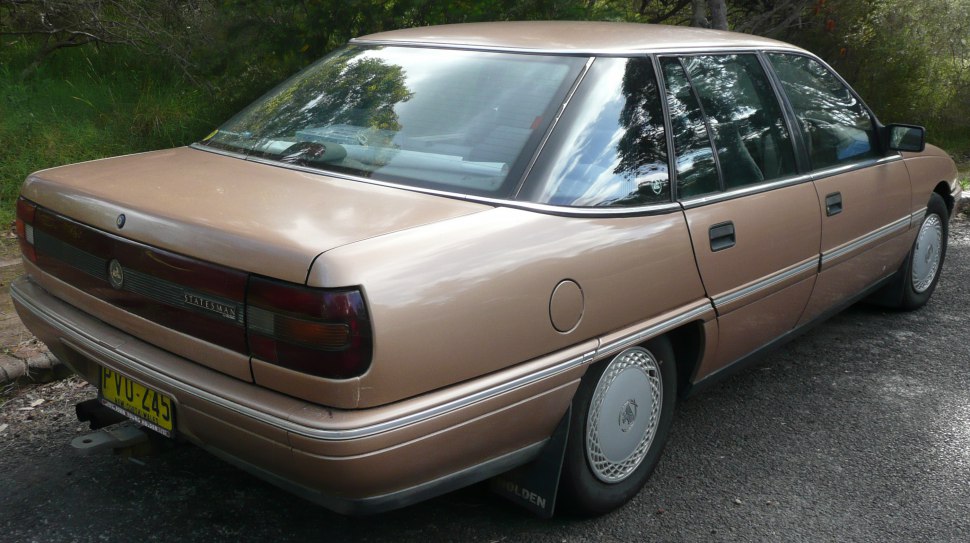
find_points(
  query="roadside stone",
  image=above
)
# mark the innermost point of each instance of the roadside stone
(23, 359)
(40, 367)
(11, 369)
(45, 367)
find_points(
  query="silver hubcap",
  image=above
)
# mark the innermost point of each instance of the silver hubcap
(926, 253)
(624, 415)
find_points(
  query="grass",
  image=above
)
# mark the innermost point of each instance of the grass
(85, 103)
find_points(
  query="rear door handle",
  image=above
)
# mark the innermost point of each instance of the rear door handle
(833, 204)
(722, 236)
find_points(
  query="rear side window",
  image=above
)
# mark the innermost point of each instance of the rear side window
(610, 149)
(696, 168)
(836, 127)
(752, 140)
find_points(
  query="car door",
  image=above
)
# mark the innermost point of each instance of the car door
(753, 220)
(863, 193)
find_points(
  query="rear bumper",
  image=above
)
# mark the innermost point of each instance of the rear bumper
(350, 461)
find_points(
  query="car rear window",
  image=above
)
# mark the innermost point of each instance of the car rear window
(460, 121)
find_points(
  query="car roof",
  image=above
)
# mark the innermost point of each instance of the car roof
(573, 37)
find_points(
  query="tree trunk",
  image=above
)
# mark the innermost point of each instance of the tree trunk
(699, 17)
(718, 14)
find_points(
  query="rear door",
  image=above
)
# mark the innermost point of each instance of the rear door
(754, 221)
(863, 193)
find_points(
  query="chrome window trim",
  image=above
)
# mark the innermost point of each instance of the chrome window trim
(84, 342)
(579, 51)
(200, 146)
(711, 198)
(587, 212)
(846, 168)
(782, 183)
(652, 209)
(806, 176)
(770, 281)
(868, 239)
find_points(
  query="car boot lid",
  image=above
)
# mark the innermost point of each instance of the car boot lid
(254, 217)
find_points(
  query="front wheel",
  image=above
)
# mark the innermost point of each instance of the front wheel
(921, 271)
(621, 417)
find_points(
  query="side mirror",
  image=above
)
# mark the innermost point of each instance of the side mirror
(906, 137)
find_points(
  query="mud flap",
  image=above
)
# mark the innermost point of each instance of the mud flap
(535, 485)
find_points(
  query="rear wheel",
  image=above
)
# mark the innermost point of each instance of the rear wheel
(621, 417)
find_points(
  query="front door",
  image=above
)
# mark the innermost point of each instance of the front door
(864, 196)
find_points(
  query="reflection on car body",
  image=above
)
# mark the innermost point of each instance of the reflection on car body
(439, 254)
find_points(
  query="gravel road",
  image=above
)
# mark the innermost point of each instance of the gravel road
(857, 431)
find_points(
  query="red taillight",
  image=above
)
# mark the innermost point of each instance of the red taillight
(323, 332)
(25, 228)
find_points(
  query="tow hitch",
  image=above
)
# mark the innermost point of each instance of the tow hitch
(99, 416)
(120, 439)
(126, 439)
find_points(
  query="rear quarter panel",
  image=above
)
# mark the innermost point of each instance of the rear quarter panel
(465, 297)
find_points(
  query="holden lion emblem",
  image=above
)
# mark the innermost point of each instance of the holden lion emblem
(116, 274)
(628, 414)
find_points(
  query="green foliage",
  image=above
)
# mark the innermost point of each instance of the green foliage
(87, 103)
(344, 74)
(266, 40)
(161, 73)
(909, 59)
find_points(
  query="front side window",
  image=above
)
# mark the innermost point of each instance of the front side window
(610, 149)
(752, 140)
(460, 121)
(836, 127)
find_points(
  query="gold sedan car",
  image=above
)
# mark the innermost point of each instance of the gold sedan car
(442, 253)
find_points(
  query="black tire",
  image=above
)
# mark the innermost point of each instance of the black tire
(593, 488)
(916, 291)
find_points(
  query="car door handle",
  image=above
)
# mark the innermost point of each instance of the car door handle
(833, 204)
(722, 236)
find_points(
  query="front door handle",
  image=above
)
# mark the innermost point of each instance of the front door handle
(722, 236)
(833, 204)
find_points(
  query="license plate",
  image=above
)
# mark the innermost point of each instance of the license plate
(137, 402)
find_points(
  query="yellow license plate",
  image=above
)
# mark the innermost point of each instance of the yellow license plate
(138, 402)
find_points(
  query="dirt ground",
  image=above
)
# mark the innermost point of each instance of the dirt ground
(31, 406)
(22, 357)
